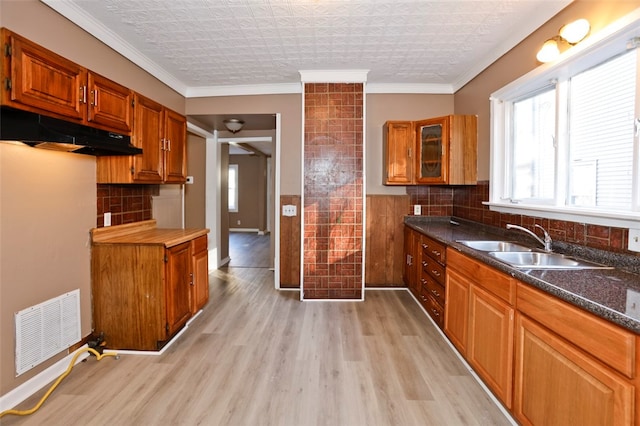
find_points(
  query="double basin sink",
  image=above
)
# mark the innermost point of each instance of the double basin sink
(523, 257)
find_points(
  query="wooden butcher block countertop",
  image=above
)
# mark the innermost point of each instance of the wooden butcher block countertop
(144, 232)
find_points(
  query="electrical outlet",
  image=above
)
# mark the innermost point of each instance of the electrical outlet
(239, 222)
(417, 209)
(289, 210)
(633, 304)
(634, 239)
(107, 219)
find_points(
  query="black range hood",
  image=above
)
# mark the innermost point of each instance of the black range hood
(41, 131)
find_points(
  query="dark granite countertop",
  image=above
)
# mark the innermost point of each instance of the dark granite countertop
(603, 292)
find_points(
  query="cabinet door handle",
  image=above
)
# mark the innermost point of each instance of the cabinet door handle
(168, 144)
(94, 94)
(163, 142)
(83, 95)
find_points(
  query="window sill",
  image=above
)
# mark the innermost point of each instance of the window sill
(624, 220)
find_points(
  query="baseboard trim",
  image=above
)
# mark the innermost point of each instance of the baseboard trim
(164, 348)
(39, 381)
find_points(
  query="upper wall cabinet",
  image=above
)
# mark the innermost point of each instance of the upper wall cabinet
(435, 151)
(162, 134)
(38, 80)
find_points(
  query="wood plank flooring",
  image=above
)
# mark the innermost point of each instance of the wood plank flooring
(256, 356)
(249, 250)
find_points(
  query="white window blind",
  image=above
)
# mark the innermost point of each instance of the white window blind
(601, 134)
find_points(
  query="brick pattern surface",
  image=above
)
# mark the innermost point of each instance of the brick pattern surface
(467, 204)
(127, 203)
(333, 191)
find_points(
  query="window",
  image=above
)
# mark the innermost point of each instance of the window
(233, 188)
(564, 137)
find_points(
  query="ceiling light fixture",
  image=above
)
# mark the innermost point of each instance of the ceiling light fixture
(572, 34)
(234, 125)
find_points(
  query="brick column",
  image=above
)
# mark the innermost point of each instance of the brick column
(333, 191)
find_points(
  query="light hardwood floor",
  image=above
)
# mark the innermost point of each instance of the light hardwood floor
(256, 356)
(249, 250)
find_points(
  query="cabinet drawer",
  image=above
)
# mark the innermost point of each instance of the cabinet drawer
(497, 283)
(433, 268)
(199, 244)
(605, 341)
(434, 289)
(435, 311)
(433, 249)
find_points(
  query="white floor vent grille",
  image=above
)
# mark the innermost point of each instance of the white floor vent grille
(46, 329)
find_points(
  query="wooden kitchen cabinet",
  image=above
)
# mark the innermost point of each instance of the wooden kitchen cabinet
(435, 151)
(162, 134)
(479, 320)
(178, 284)
(432, 278)
(399, 151)
(143, 281)
(412, 259)
(38, 80)
(456, 319)
(200, 274)
(570, 366)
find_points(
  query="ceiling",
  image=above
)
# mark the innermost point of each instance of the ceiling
(237, 47)
(213, 47)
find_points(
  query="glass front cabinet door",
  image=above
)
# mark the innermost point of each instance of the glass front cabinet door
(433, 150)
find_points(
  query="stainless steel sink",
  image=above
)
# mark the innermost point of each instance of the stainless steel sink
(495, 246)
(536, 260)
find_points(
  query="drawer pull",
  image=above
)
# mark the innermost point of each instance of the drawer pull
(435, 292)
(436, 273)
(435, 313)
(425, 246)
(436, 252)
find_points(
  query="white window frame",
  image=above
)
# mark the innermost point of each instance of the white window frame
(593, 50)
(235, 167)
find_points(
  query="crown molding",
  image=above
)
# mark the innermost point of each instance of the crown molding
(518, 34)
(88, 23)
(333, 76)
(417, 88)
(244, 90)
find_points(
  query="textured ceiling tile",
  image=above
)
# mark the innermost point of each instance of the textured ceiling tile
(206, 43)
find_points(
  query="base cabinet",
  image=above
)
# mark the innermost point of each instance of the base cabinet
(479, 320)
(147, 284)
(178, 281)
(558, 384)
(200, 274)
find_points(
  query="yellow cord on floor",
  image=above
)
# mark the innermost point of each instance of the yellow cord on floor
(98, 355)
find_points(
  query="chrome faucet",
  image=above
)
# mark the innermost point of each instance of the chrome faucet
(547, 238)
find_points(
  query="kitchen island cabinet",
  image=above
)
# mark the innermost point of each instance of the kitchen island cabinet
(143, 281)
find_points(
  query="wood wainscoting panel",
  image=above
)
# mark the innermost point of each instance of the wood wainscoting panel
(385, 239)
(290, 243)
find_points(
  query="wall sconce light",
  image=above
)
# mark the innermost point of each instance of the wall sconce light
(572, 34)
(234, 125)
